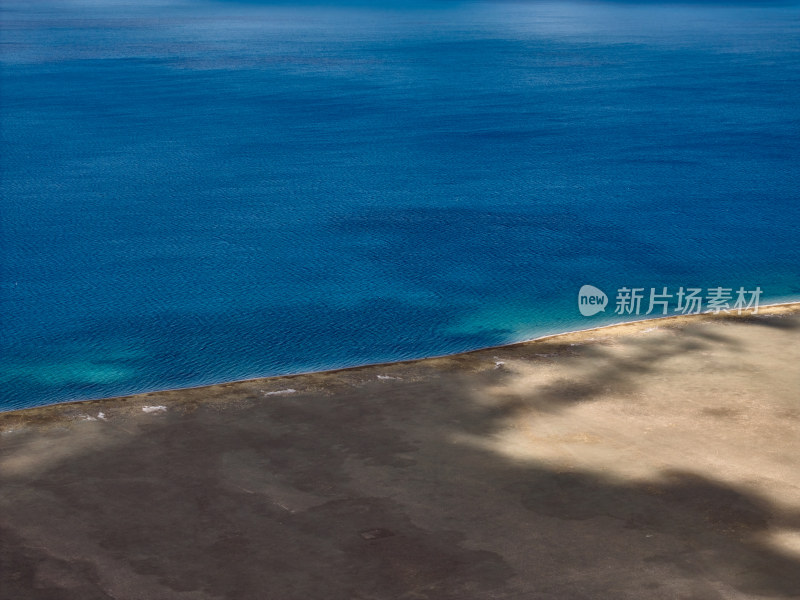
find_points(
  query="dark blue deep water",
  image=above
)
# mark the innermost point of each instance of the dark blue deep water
(195, 192)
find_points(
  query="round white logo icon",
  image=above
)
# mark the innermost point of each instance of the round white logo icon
(591, 300)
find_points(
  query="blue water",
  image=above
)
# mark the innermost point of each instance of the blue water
(195, 192)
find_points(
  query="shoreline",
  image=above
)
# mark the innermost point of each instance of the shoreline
(609, 459)
(633, 325)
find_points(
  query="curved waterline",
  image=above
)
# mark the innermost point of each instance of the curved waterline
(576, 336)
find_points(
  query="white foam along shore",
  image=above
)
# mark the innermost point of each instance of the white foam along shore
(644, 324)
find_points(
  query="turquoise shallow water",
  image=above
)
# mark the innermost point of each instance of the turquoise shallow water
(201, 192)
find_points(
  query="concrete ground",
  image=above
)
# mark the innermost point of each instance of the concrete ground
(653, 460)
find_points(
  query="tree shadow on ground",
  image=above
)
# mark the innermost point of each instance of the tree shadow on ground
(365, 491)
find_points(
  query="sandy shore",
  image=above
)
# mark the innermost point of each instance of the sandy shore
(658, 459)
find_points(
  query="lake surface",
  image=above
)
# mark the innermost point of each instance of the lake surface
(195, 192)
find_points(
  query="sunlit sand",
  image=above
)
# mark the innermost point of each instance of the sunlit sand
(656, 459)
